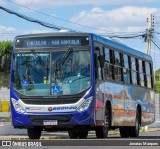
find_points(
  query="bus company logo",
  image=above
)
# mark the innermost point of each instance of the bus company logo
(64, 108)
(50, 109)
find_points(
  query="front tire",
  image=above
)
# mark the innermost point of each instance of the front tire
(34, 133)
(81, 134)
(73, 134)
(102, 131)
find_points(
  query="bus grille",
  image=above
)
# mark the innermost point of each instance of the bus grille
(61, 119)
(45, 101)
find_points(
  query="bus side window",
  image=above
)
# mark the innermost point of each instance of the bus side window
(126, 69)
(134, 71)
(148, 74)
(98, 73)
(141, 74)
(108, 68)
(117, 66)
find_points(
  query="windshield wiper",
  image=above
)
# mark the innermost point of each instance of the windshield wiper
(38, 57)
(64, 58)
(41, 61)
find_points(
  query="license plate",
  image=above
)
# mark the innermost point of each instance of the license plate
(50, 122)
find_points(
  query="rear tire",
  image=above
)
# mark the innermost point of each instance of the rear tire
(134, 132)
(124, 132)
(34, 133)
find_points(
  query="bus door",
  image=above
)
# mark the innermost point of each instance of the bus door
(99, 86)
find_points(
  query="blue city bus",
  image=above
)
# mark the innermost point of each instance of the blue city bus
(79, 82)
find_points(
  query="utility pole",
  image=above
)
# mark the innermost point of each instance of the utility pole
(149, 33)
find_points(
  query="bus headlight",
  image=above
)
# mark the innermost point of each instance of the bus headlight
(17, 106)
(85, 104)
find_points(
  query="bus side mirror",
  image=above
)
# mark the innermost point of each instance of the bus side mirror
(101, 60)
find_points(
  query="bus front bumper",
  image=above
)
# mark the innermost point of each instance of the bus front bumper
(63, 119)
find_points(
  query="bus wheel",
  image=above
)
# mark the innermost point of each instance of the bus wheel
(134, 131)
(82, 134)
(102, 131)
(73, 134)
(34, 133)
(124, 132)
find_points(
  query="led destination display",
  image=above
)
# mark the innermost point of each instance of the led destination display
(41, 42)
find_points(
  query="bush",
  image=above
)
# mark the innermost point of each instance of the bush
(5, 61)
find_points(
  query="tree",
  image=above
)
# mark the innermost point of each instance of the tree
(5, 59)
(157, 81)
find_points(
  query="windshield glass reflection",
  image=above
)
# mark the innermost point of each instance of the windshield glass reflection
(36, 74)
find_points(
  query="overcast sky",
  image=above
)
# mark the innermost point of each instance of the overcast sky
(109, 16)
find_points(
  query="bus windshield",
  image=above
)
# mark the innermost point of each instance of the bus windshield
(52, 73)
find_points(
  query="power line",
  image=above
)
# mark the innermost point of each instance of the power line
(155, 39)
(36, 21)
(141, 35)
(65, 20)
(57, 17)
(155, 44)
(126, 35)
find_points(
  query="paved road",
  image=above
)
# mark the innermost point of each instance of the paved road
(145, 140)
(10, 132)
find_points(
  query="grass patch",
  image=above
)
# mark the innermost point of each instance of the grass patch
(5, 119)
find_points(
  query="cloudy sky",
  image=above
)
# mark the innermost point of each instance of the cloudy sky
(109, 17)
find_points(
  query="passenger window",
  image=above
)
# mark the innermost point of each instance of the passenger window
(148, 71)
(108, 67)
(134, 77)
(117, 66)
(117, 60)
(126, 69)
(108, 71)
(107, 55)
(140, 67)
(142, 80)
(133, 63)
(141, 74)
(125, 61)
(148, 75)
(134, 71)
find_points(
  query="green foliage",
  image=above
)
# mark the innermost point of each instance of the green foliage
(4, 80)
(157, 81)
(157, 86)
(5, 48)
(157, 71)
(5, 60)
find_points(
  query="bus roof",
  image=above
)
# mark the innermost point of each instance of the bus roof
(121, 47)
(107, 42)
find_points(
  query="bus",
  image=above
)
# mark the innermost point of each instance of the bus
(79, 82)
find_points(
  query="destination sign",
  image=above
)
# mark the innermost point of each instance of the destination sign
(51, 42)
